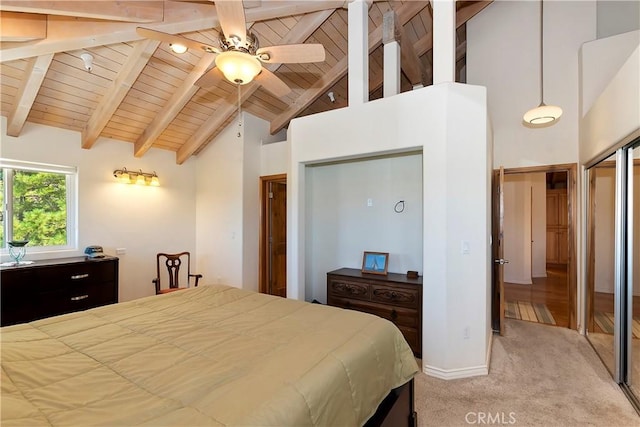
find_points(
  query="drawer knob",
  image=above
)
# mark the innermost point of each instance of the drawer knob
(80, 276)
(79, 297)
(394, 314)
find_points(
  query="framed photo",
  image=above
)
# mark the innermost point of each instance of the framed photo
(375, 262)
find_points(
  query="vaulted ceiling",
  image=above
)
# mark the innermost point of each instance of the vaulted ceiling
(139, 91)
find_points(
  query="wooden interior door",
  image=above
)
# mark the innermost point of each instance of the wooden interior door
(273, 254)
(497, 248)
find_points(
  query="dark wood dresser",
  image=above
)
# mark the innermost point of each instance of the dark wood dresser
(51, 287)
(394, 297)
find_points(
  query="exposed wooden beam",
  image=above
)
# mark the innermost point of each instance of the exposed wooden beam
(22, 27)
(469, 10)
(410, 60)
(119, 88)
(298, 34)
(178, 100)
(407, 11)
(35, 72)
(66, 34)
(131, 11)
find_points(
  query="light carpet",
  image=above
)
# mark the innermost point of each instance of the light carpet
(539, 376)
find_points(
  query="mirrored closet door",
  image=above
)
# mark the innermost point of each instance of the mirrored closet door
(613, 265)
(633, 277)
(601, 261)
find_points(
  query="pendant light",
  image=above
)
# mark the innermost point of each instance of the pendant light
(543, 114)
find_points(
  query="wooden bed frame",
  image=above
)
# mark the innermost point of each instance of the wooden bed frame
(397, 409)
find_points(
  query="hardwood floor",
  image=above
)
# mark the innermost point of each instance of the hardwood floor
(550, 290)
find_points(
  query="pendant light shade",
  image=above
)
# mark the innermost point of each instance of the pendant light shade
(542, 114)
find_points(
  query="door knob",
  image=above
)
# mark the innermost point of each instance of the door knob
(501, 261)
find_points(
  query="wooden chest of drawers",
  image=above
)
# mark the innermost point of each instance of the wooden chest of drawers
(394, 297)
(51, 287)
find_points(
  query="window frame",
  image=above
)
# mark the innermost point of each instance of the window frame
(71, 182)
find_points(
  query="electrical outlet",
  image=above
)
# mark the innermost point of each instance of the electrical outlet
(369, 202)
(467, 333)
(121, 251)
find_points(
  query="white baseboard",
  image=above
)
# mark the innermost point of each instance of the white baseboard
(454, 374)
(518, 282)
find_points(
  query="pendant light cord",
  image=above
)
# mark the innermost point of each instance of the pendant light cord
(239, 112)
(541, 54)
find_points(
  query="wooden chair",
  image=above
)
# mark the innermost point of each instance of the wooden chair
(173, 263)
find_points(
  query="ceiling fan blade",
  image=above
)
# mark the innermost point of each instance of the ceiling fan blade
(210, 79)
(232, 20)
(272, 83)
(291, 53)
(175, 39)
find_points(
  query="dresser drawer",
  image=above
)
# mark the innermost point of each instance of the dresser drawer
(343, 288)
(51, 287)
(395, 296)
(399, 316)
(87, 272)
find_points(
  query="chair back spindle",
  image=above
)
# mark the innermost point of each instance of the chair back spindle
(172, 263)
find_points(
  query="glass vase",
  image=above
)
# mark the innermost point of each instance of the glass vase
(17, 250)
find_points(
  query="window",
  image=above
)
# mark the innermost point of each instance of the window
(38, 204)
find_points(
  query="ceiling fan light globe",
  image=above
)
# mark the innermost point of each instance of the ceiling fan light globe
(177, 48)
(237, 67)
(542, 114)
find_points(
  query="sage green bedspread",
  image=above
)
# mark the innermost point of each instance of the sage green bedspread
(212, 355)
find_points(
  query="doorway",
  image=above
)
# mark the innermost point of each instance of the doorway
(273, 235)
(540, 282)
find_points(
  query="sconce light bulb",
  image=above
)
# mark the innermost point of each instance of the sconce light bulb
(154, 180)
(140, 180)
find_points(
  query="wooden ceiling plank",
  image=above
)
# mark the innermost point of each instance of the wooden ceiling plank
(469, 11)
(66, 34)
(27, 93)
(405, 13)
(178, 100)
(411, 65)
(303, 29)
(129, 11)
(118, 90)
(22, 27)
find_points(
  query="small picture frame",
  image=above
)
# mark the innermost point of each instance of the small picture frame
(375, 262)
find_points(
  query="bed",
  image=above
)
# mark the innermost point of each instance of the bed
(212, 355)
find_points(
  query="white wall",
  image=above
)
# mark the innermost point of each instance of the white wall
(596, 73)
(617, 16)
(517, 229)
(456, 197)
(144, 220)
(525, 227)
(341, 226)
(274, 158)
(503, 45)
(616, 112)
(604, 217)
(228, 201)
(538, 224)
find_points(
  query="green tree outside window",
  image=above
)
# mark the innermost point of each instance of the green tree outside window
(40, 208)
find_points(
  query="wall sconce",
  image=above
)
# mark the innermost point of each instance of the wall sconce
(140, 178)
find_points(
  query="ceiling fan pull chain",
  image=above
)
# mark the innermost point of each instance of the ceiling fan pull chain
(239, 113)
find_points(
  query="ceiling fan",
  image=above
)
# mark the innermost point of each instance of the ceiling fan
(239, 58)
